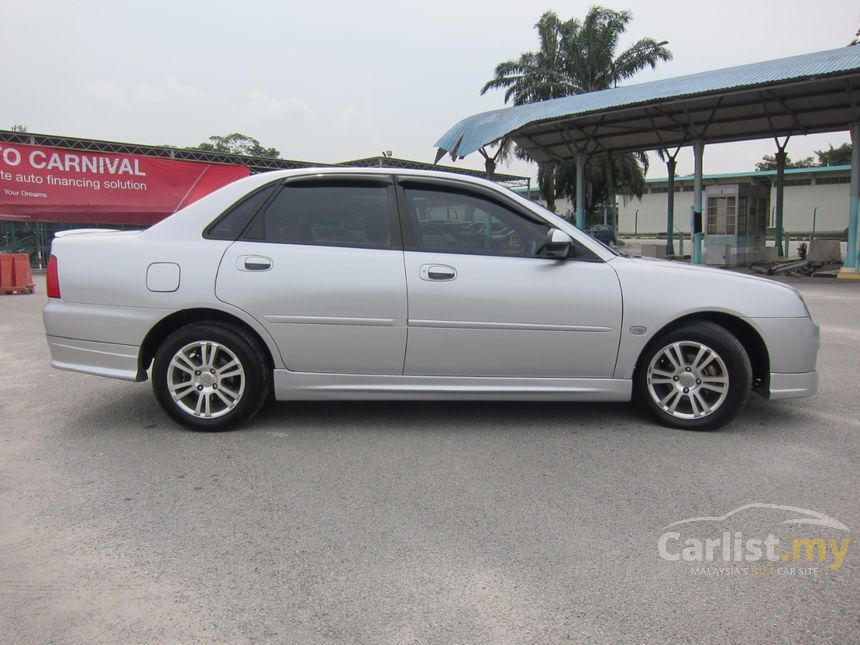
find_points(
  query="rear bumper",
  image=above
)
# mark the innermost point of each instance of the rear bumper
(792, 386)
(90, 357)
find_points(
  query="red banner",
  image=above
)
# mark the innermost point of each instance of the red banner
(57, 185)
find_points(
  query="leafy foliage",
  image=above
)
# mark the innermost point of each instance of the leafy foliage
(840, 156)
(575, 57)
(768, 162)
(628, 172)
(238, 144)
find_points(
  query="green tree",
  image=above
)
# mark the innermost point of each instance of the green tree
(840, 156)
(238, 144)
(575, 57)
(628, 172)
(768, 162)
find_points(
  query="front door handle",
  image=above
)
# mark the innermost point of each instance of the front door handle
(253, 263)
(437, 272)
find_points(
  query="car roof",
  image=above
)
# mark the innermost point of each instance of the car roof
(361, 170)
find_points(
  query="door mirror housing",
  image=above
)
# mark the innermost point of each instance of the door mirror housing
(557, 243)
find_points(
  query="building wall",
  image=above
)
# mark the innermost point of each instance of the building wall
(831, 200)
(652, 213)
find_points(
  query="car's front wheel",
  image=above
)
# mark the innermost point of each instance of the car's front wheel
(696, 377)
(210, 376)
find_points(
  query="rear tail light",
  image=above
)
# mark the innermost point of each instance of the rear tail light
(53, 278)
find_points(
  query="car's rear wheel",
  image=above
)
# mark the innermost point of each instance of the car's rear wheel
(210, 376)
(696, 377)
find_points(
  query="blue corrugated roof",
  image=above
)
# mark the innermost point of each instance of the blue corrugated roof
(478, 130)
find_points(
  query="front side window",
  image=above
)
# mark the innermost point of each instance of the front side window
(454, 222)
(328, 214)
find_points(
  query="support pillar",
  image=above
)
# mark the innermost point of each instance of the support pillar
(610, 193)
(780, 183)
(580, 190)
(698, 153)
(670, 207)
(852, 257)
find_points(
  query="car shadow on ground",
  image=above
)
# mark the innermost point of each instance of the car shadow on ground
(420, 415)
(133, 410)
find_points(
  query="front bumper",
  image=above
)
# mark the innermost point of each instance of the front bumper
(792, 346)
(792, 343)
(792, 386)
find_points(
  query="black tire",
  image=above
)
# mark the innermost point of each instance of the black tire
(687, 391)
(229, 358)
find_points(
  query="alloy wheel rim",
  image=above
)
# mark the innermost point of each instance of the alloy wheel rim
(688, 380)
(206, 379)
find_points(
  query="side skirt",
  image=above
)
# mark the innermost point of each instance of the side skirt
(308, 386)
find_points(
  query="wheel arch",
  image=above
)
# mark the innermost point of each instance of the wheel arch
(167, 325)
(747, 335)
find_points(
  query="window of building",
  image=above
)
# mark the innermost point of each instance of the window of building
(833, 180)
(743, 215)
(722, 215)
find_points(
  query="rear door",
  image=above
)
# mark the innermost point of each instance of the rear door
(321, 267)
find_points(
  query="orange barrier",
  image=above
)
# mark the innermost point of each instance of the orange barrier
(15, 274)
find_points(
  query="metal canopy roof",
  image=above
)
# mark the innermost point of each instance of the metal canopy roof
(817, 92)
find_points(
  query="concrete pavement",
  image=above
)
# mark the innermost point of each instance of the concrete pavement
(412, 522)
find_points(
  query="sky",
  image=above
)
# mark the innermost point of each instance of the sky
(335, 80)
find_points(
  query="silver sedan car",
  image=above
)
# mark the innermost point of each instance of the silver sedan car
(386, 284)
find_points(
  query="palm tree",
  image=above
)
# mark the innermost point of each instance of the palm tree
(574, 58)
(536, 76)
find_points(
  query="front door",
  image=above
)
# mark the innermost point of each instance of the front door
(485, 301)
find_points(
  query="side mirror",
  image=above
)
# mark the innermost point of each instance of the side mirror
(557, 243)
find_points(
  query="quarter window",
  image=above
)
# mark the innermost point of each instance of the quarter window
(234, 221)
(328, 214)
(454, 222)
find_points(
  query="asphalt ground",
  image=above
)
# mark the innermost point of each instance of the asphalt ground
(420, 522)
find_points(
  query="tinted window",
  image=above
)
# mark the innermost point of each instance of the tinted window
(234, 221)
(339, 214)
(455, 222)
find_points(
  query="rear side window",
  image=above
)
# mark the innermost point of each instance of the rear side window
(329, 214)
(230, 225)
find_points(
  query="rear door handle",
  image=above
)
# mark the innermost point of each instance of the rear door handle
(437, 272)
(253, 263)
